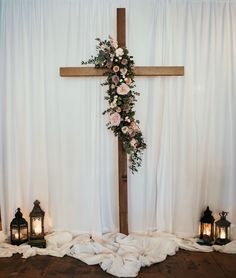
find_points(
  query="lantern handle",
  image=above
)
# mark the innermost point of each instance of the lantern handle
(18, 213)
(223, 214)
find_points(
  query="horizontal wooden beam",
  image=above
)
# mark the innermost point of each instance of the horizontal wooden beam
(81, 71)
(159, 71)
(139, 71)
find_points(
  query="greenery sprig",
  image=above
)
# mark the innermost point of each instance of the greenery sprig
(121, 97)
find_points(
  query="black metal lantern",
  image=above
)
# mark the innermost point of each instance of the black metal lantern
(207, 228)
(37, 226)
(18, 229)
(222, 229)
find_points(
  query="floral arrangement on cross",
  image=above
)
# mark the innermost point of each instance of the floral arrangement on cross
(121, 97)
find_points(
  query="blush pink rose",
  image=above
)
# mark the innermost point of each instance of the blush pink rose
(115, 119)
(116, 68)
(134, 126)
(123, 89)
(115, 79)
(128, 81)
(124, 62)
(123, 71)
(133, 142)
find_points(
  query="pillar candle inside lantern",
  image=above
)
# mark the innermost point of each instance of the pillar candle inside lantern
(37, 226)
(207, 229)
(222, 233)
(16, 235)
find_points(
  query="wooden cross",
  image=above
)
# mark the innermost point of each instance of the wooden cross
(139, 71)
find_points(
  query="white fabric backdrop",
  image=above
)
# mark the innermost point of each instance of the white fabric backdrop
(54, 143)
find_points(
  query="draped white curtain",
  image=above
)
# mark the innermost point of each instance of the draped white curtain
(54, 143)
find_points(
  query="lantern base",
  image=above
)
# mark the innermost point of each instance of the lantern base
(40, 243)
(220, 241)
(204, 242)
(18, 242)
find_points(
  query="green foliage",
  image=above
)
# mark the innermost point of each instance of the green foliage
(121, 97)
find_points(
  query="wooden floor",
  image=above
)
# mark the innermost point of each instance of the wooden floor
(183, 264)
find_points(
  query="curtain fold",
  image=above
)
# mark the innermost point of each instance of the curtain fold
(54, 143)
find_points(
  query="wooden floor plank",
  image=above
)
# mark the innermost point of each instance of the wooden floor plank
(184, 264)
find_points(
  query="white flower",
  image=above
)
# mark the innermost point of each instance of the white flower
(114, 43)
(127, 119)
(124, 129)
(113, 104)
(119, 52)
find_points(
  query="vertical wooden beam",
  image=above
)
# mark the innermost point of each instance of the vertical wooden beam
(122, 157)
(123, 196)
(121, 36)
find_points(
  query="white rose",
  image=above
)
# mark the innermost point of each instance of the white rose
(124, 129)
(119, 52)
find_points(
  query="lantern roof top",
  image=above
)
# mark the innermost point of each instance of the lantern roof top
(207, 217)
(37, 211)
(223, 222)
(18, 220)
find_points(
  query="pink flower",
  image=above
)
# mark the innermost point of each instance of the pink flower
(133, 142)
(124, 62)
(134, 126)
(123, 89)
(115, 119)
(115, 79)
(128, 81)
(109, 64)
(118, 109)
(131, 132)
(116, 68)
(123, 71)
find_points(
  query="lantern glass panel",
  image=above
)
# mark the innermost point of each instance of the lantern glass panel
(37, 225)
(222, 229)
(19, 229)
(222, 232)
(207, 229)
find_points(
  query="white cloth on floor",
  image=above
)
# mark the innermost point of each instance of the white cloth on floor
(117, 254)
(229, 248)
(123, 256)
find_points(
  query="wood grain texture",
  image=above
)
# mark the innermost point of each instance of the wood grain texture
(120, 25)
(139, 71)
(159, 71)
(123, 186)
(122, 156)
(81, 72)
